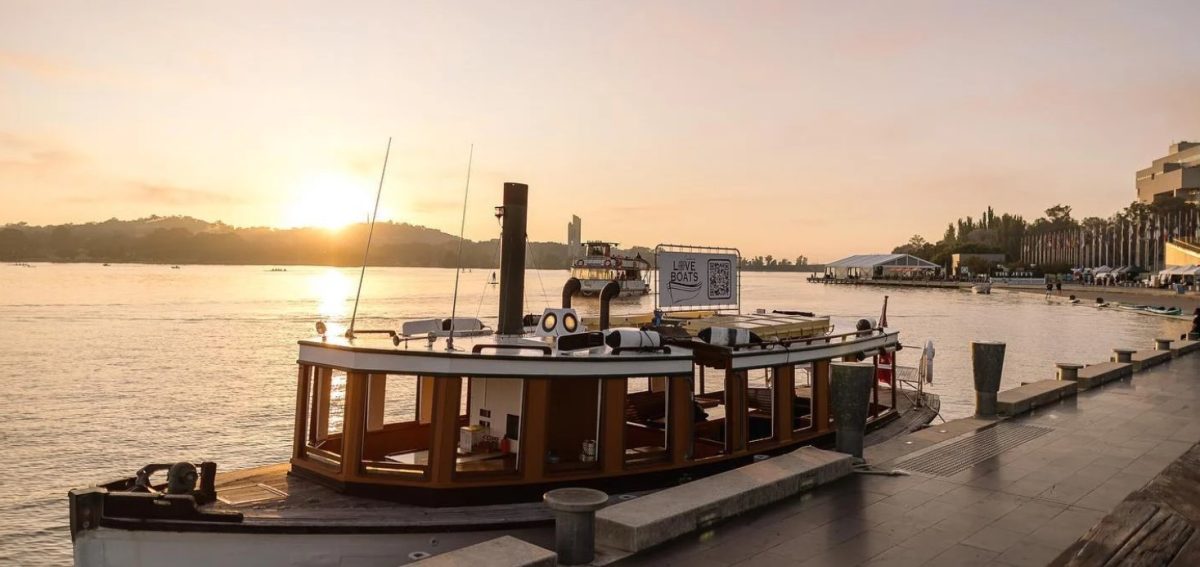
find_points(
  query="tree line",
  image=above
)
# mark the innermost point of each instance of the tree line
(1019, 239)
(186, 240)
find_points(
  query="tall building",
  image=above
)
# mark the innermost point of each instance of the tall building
(574, 233)
(1177, 174)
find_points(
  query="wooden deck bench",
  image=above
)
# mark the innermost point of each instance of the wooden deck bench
(1144, 359)
(1184, 347)
(1028, 396)
(506, 551)
(1094, 375)
(641, 523)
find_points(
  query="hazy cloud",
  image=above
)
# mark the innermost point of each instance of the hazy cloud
(161, 194)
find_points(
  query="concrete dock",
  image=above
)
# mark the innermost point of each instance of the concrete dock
(1047, 486)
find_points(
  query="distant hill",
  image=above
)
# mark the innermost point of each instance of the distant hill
(187, 240)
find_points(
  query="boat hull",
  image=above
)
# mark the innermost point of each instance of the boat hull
(109, 547)
(628, 287)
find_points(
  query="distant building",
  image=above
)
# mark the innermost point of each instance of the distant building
(880, 266)
(959, 260)
(574, 233)
(1181, 252)
(1177, 174)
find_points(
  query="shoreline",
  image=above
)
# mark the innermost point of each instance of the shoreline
(1132, 295)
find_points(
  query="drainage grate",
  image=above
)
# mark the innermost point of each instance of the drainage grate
(966, 453)
(249, 494)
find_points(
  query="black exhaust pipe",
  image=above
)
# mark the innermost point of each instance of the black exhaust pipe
(569, 289)
(611, 290)
(512, 259)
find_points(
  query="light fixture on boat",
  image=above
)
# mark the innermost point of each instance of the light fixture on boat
(632, 338)
(558, 322)
(725, 336)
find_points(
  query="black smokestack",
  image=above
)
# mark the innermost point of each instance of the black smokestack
(512, 259)
(570, 288)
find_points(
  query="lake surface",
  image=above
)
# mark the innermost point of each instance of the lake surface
(107, 369)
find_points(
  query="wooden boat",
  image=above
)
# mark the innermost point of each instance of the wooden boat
(600, 265)
(411, 445)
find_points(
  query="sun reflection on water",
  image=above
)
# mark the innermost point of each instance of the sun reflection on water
(332, 290)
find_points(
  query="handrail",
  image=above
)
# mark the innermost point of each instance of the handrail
(540, 348)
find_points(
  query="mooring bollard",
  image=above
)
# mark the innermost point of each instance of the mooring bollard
(987, 360)
(575, 523)
(1068, 370)
(850, 393)
(1162, 344)
(1123, 354)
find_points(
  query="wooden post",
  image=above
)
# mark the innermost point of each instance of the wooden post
(352, 424)
(533, 436)
(299, 434)
(321, 398)
(376, 395)
(444, 394)
(735, 411)
(785, 388)
(425, 404)
(612, 436)
(820, 395)
(681, 417)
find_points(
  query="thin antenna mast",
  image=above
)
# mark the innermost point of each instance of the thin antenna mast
(370, 233)
(461, 230)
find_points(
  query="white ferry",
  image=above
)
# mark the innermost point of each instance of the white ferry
(599, 266)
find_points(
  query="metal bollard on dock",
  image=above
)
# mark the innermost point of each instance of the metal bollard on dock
(1162, 344)
(575, 523)
(850, 394)
(1068, 370)
(1123, 355)
(987, 361)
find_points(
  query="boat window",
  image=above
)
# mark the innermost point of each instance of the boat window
(398, 429)
(802, 399)
(646, 419)
(760, 404)
(490, 429)
(324, 411)
(708, 431)
(573, 424)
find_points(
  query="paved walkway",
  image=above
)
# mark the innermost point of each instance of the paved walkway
(1024, 506)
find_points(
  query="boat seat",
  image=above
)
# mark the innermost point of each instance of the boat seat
(420, 327)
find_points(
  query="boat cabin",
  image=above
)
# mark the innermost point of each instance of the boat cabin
(503, 419)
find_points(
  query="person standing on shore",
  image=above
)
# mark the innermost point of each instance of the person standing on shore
(1049, 288)
(1194, 334)
(1058, 286)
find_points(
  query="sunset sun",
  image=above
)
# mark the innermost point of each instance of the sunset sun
(330, 201)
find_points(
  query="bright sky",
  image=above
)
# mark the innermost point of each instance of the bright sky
(781, 128)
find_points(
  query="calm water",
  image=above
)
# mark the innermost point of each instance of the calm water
(107, 369)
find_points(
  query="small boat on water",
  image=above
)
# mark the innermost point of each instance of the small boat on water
(445, 434)
(600, 265)
(984, 288)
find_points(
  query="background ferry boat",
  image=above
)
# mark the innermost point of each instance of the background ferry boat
(599, 265)
(438, 437)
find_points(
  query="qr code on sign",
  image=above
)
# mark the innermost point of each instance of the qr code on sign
(720, 279)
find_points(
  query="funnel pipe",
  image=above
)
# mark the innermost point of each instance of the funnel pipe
(512, 259)
(569, 289)
(611, 290)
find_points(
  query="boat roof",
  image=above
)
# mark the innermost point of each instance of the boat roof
(489, 356)
(872, 260)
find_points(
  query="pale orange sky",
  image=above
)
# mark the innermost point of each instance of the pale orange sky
(781, 128)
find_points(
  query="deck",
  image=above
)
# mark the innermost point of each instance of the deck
(271, 499)
(1019, 491)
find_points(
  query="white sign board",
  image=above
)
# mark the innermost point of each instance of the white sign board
(697, 279)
